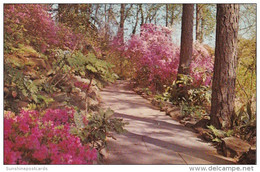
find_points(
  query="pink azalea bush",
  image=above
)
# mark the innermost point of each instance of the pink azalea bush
(153, 54)
(156, 58)
(30, 21)
(117, 44)
(35, 138)
(201, 67)
(32, 24)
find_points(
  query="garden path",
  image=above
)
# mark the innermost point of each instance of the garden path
(152, 137)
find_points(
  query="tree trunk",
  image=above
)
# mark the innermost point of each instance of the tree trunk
(201, 30)
(88, 13)
(136, 20)
(172, 14)
(96, 13)
(122, 21)
(142, 15)
(166, 15)
(153, 17)
(224, 78)
(62, 9)
(186, 39)
(105, 12)
(197, 22)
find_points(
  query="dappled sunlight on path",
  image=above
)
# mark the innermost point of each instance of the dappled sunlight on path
(152, 137)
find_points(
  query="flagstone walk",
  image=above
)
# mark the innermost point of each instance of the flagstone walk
(152, 137)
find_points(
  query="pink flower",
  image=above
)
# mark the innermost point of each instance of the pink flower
(20, 141)
(47, 137)
(24, 127)
(7, 127)
(81, 85)
(41, 153)
(93, 154)
(156, 58)
(10, 156)
(33, 142)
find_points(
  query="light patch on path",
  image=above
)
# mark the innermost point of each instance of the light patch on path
(152, 137)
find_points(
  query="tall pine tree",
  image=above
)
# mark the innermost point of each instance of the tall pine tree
(224, 78)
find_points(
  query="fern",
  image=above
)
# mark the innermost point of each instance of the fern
(89, 64)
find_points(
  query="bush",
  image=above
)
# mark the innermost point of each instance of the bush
(44, 138)
(194, 100)
(156, 59)
(85, 65)
(31, 24)
(96, 127)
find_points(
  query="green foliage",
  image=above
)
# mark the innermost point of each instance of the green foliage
(190, 110)
(24, 87)
(208, 12)
(229, 133)
(99, 126)
(193, 100)
(184, 90)
(45, 100)
(246, 70)
(32, 106)
(25, 78)
(23, 50)
(85, 65)
(121, 65)
(147, 91)
(245, 114)
(77, 16)
(216, 132)
(245, 121)
(179, 89)
(217, 135)
(100, 68)
(162, 97)
(216, 139)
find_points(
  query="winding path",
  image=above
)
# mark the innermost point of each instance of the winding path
(152, 137)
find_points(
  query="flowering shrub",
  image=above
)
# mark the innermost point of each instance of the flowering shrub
(67, 38)
(81, 85)
(117, 44)
(32, 138)
(58, 116)
(202, 64)
(156, 58)
(32, 24)
(30, 21)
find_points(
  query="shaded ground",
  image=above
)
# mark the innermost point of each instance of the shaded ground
(152, 137)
